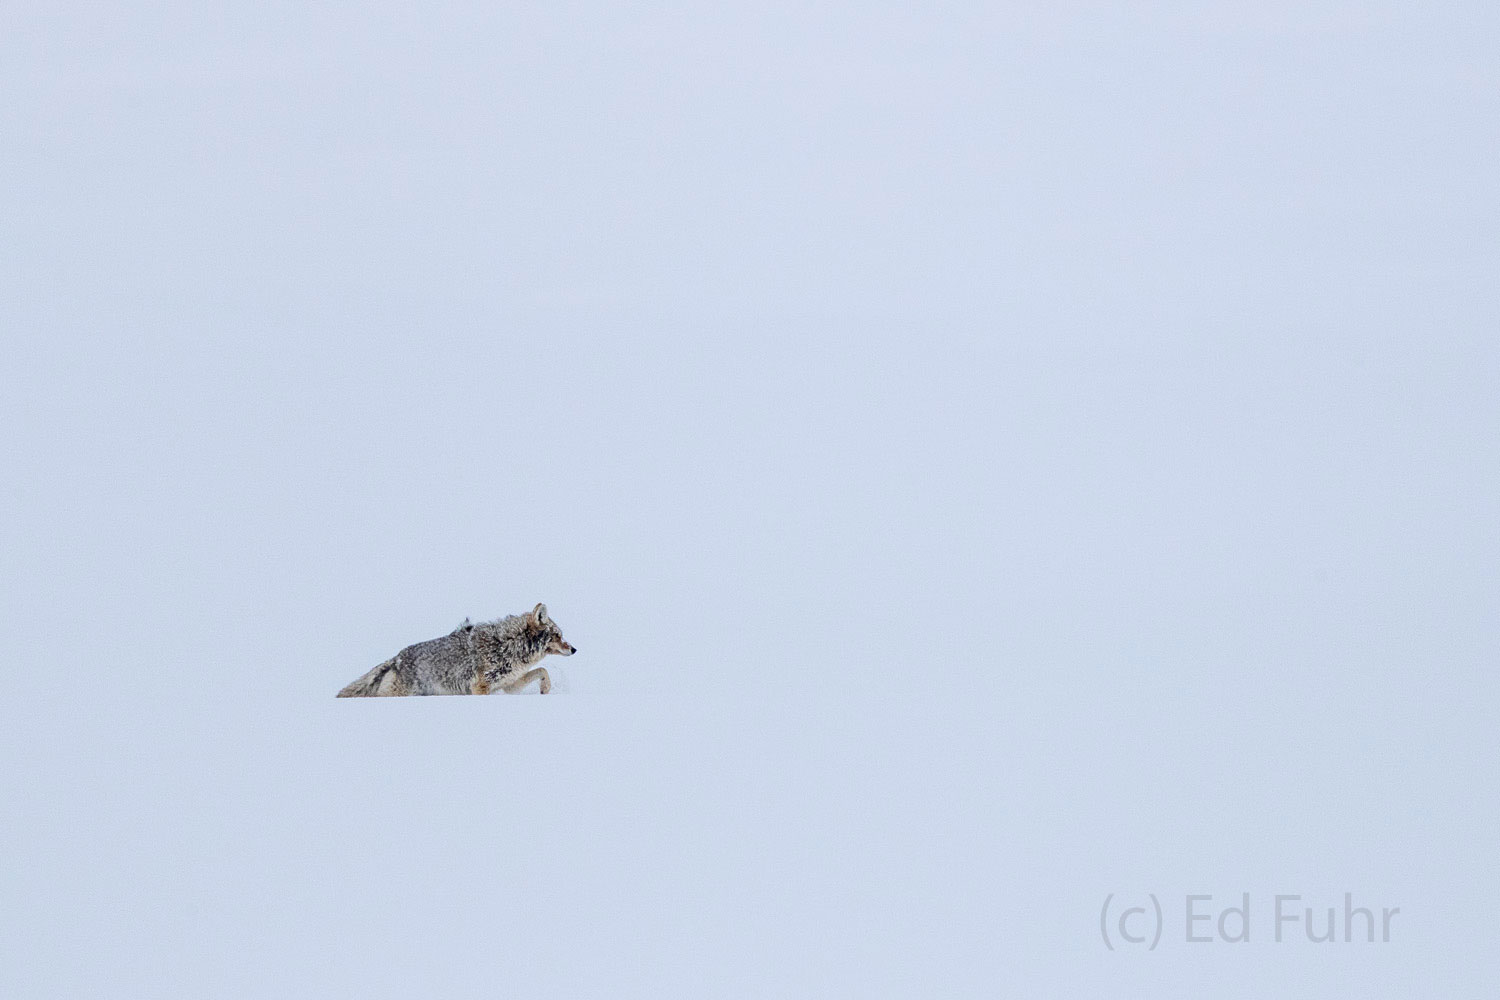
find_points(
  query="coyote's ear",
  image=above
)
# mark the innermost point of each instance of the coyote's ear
(539, 612)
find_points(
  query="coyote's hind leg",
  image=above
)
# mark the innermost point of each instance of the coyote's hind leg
(511, 687)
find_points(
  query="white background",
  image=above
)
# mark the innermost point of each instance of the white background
(987, 458)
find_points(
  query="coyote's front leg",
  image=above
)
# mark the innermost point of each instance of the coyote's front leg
(511, 687)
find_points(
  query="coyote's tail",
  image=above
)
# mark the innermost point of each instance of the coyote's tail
(368, 686)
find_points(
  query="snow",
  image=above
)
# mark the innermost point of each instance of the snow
(987, 460)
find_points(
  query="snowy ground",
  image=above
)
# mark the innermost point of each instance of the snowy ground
(988, 461)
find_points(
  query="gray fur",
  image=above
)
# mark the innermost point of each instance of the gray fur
(472, 659)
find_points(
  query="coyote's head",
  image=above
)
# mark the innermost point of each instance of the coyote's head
(556, 644)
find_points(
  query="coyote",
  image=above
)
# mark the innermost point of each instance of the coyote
(472, 659)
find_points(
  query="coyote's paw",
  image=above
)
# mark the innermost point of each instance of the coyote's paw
(546, 684)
